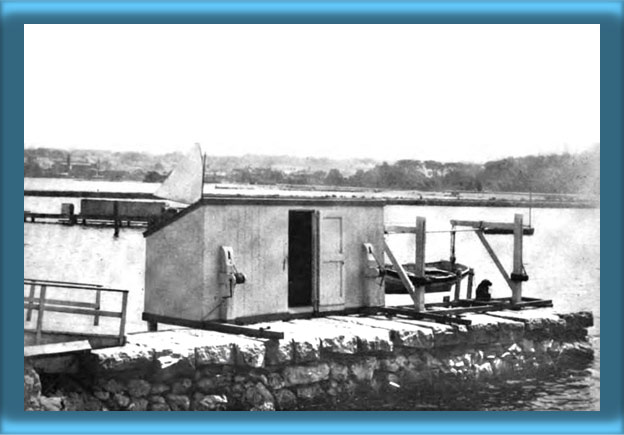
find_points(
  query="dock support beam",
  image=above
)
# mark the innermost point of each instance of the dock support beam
(518, 269)
(419, 269)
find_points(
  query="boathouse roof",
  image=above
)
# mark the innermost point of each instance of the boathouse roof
(269, 200)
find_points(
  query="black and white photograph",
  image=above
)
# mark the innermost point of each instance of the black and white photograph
(312, 217)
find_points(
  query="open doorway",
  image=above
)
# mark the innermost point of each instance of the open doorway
(301, 257)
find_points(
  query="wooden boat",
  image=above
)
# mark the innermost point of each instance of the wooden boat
(441, 276)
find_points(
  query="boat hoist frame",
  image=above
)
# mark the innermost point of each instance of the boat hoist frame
(449, 311)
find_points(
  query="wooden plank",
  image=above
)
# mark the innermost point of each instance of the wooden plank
(436, 317)
(47, 281)
(214, 326)
(470, 283)
(76, 311)
(462, 310)
(457, 286)
(495, 259)
(237, 329)
(41, 307)
(89, 287)
(419, 267)
(32, 296)
(98, 300)
(122, 323)
(399, 229)
(62, 303)
(492, 227)
(516, 289)
(56, 348)
(402, 274)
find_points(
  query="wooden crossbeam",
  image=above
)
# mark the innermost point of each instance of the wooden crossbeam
(34, 300)
(227, 328)
(493, 227)
(402, 274)
(437, 317)
(60, 309)
(494, 258)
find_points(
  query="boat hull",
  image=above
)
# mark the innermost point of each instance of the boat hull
(442, 276)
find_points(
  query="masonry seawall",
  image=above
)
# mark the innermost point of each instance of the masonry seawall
(320, 363)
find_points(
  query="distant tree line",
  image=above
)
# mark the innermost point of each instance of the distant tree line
(555, 173)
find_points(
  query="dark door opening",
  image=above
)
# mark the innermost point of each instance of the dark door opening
(301, 258)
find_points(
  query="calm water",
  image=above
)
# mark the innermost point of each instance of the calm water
(562, 260)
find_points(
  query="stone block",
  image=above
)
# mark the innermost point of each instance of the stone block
(338, 372)
(539, 322)
(575, 355)
(369, 339)
(279, 352)
(250, 353)
(121, 400)
(363, 369)
(159, 388)
(112, 386)
(342, 344)
(307, 350)
(275, 381)
(332, 338)
(124, 358)
(138, 404)
(211, 402)
(286, 400)
(220, 354)
(486, 329)
(51, 403)
(310, 393)
(297, 375)
(181, 386)
(258, 395)
(579, 320)
(178, 402)
(139, 388)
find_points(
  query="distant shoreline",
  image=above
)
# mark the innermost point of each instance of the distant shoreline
(391, 197)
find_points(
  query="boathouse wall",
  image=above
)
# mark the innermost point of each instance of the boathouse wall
(174, 275)
(184, 259)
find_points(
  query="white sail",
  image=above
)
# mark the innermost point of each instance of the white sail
(185, 183)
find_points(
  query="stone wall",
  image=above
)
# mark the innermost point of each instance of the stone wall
(318, 373)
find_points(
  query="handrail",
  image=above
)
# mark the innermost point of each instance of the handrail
(70, 285)
(48, 281)
(43, 304)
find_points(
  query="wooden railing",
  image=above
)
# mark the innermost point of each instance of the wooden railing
(41, 303)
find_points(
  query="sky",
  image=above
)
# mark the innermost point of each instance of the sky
(426, 92)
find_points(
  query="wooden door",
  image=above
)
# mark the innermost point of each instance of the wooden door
(331, 276)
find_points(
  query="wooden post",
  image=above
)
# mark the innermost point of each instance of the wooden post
(30, 303)
(457, 286)
(516, 290)
(122, 322)
(116, 217)
(453, 233)
(470, 283)
(152, 326)
(419, 269)
(42, 297)
(96, 318)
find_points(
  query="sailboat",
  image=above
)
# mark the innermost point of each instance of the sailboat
(185, 183)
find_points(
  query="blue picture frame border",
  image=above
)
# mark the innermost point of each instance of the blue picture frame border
(608, 14)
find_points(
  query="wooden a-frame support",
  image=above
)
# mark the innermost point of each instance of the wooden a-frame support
(514, 281)
(417, 293)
